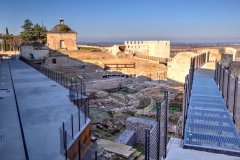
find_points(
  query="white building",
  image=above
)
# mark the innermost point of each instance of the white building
(151, 48)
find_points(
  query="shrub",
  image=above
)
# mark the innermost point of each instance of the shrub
(64, 28)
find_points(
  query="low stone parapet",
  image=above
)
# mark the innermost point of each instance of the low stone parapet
(128, 137)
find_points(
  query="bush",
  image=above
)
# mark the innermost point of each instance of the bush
(64, 28)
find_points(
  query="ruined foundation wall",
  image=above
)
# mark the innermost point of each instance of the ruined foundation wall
(139, 125)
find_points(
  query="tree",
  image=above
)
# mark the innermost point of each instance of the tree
(33, 33)
(26, 33)
(7, 31)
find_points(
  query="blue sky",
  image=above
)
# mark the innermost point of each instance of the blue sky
(119, 20)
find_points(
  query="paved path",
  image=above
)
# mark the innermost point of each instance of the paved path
(43, 106)
(209, 125)
(11, 145)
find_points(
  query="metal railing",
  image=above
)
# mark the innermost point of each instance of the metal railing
(156, 138)
(159, 59)
(77, 121)
(196, 62)
(229, 87)
(54, 75)
(76, 150)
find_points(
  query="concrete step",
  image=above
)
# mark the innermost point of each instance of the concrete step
(133, 150)
(136, 154)
(131, 158)
(142, 157)
(117, 148)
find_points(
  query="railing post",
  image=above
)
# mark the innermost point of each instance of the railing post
(149, 141)
(235, 97)
(95, 155)
(79, 149)
(228, 88)
(158, 140)
(223, 83)
(65, 142)
(220, 70)
(146, 144)
(72, 125)
(79, 120)
(215, 73)
(157, 118)
(166, 125)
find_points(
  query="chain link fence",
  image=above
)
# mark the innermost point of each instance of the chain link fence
(229, 87)
(156, 139)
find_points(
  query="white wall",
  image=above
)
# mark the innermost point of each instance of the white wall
(26, 52)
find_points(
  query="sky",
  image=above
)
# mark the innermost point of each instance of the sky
(180, 21)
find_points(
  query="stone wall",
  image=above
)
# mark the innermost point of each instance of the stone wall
(128, 137)
(139, 125)
(26, 51)
(234, 67)
(107, 84)
(53, 40)
(179, 68)
(213, 54)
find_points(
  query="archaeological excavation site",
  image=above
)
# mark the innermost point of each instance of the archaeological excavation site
(124, 95)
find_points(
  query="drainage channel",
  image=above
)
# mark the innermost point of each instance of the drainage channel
(19, 117)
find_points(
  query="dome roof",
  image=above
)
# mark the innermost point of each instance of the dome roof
(61, 28)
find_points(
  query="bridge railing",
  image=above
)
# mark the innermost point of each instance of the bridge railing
(229, 87)
(196, 62)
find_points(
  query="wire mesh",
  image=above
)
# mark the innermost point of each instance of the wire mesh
(231, 92)
(225, 85)
(154, 140)
(163, 128)
(221, 79)
(237, 117)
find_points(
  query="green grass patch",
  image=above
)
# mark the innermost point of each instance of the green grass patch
(119, 99)
(88, 49)
(97, 115)
(154, 109)
(139, 147)
(174, 109)
(171, 109)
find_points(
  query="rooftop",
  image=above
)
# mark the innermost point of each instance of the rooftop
(61, 28)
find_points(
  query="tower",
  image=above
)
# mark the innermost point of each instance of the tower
(61, 21)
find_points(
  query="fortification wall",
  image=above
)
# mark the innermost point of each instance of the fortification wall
(154, 48)
(53, 40)
(179, 68)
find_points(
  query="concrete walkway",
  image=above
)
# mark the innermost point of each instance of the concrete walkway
(11, 144)
(43, 106)
(209, 126)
